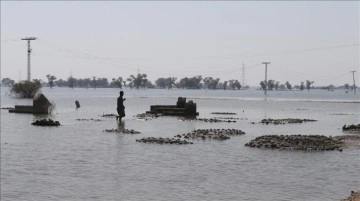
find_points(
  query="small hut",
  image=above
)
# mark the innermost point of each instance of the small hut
(41, 105)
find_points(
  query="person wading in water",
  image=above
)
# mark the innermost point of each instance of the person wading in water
(120, 106)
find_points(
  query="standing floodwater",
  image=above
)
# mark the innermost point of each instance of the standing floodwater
(78, 161)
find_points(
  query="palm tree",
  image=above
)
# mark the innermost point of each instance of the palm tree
(51, 79)
(308, 84)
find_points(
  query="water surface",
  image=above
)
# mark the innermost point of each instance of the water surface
(77, 161)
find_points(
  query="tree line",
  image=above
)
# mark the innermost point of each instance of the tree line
(195, 82)
(272, 84)
(137, 81)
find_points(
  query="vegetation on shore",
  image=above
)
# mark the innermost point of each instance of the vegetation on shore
(26, 89)
(195, 82)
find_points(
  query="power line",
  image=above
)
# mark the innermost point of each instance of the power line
(266, 84)
(353, 72)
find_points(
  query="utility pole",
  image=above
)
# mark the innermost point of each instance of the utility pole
(243, 74)
(354, 86)
(266, 85)
(29, 51)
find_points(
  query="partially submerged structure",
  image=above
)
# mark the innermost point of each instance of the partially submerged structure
(182, 108)
(41, 105)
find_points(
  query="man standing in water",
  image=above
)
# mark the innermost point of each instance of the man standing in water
(120, 106)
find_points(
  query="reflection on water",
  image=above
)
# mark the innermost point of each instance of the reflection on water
(77, 161)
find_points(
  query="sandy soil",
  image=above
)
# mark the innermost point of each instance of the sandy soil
(355, 196)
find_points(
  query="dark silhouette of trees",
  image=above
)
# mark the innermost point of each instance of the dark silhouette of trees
(161, 83)
(26, 89)
(346, 86)
(288, 85)
(262, 85)
(277, 85)
(271, 84)
(149, 85)
(282, 87)
(225, 85)
(94, 82)
(116, 83)
(210, 82)
(302, 86)
(7, 82)
(102, 82)
(234, 84)
(170, 82)
(308, 84)
(71, 82)
(51, 79)
(130, 82)
(190, 83)
(139, 81)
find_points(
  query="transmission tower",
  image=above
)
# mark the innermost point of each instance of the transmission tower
(354, 86)
(29, 51)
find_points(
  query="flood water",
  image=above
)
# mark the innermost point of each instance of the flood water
(78, 161)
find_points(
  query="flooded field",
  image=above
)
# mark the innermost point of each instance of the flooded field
(79, 161)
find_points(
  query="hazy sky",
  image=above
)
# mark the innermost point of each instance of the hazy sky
(303, 40)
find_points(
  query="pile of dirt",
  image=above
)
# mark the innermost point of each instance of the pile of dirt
(297, 142)
(160, 140)
(285, 121)
(218, 134)
(45, 122)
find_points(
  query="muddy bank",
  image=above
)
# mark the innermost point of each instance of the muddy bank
(109, 115)
(147, 116)
(91, 119)
(349, 141)
(285, 121)
(160, 140)
(224, 113)
(231, 118)
(217, 134)
(297, 142)
(45, 122)
(7, 108)
(354, 196)
(211, 120)
(351, 127)
(124, 131)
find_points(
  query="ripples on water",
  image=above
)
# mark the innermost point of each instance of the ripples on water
(78, 161)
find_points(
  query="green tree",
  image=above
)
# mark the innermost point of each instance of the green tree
(117, 83)
(170, 82)
(94, 82)
(308, 84)
(211, 83)
(26, 89)
(288, 85)
(190, 83)
(71, 82)
(262, 85)
(225, 85)
(302, 86)
(139, 81)
(51, 79)
(130, 82)
(277, 85)
(7, 82)
(161, 83)
(271, 84)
